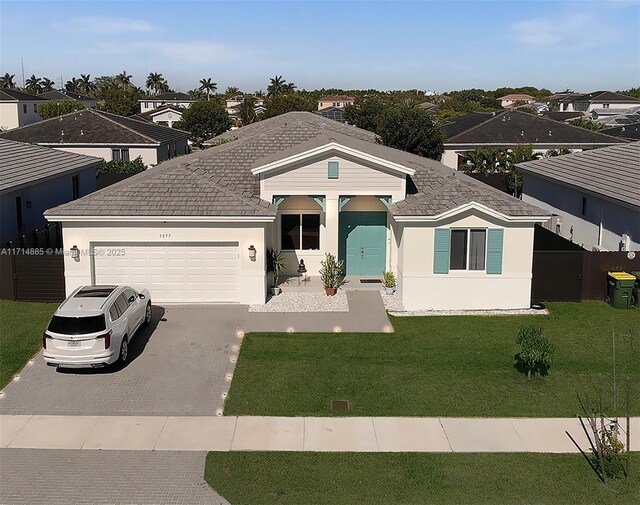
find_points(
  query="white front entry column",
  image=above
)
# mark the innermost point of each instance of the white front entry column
(331, 225)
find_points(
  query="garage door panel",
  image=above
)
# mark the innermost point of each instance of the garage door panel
(205, 272)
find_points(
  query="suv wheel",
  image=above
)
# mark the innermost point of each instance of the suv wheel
(147, 315)
(124, 350)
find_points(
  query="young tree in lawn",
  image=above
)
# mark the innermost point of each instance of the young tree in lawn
(208, 86)
(204, 120)
(51, 109)
(412, 130)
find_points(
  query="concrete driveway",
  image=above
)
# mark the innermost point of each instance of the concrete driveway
(178, 367)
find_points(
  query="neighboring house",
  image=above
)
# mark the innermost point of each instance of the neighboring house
(627, 131)
(565, 117)
(18, 109)
(166, 115)
(233, 103)
(510, 128)
(108, 136)
(176, 99)
(336, 101)
(61, 95)
(196, 229)
(33, 179)
(595, 195)
(334, 113)
(429, 107)
(596, 101)
(615, 117)
(513, 98)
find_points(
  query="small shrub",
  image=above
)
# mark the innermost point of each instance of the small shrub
(536, 351)
(389, 280)
(612, 455)
(331, 272)
(121, 167)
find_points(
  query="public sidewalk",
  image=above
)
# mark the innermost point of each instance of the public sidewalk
(344, 434)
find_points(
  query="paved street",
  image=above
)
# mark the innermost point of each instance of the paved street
(178, 367)
(50, 477)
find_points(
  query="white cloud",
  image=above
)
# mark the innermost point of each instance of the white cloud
(107, 25)
(573, 31)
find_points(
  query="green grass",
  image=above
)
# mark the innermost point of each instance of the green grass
(440, 366)
(412, 478)
(21, 327)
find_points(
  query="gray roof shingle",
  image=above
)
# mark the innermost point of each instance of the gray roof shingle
(13, 95)
(190, 185)
(613, 172)
(25, 164)
(89, 126)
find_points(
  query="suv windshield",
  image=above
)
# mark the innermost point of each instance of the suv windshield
(77, 325)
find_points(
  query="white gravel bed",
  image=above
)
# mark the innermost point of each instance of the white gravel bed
(392, 302)
(512, 312)
(304, 302)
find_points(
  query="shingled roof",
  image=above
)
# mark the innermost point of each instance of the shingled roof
(59, 94)
(601, 96)
(13, 95)
(206, 182)
(89, 126)
(171, 96)
(515, 127)
(611, 171)
(25, 164)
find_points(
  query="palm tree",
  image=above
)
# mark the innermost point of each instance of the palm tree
(232, 91)
(208, 86)
(123, 79)
(73, 85)
(247, 111)
(33, 85)
(86, 84)
(156, 82)
(47, 84)
(6, 81)
(280, 86)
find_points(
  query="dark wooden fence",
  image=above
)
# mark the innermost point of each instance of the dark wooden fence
(32, 267)
(563, 271)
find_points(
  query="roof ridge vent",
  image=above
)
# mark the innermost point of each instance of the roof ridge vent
(522, 133)
(549, 133)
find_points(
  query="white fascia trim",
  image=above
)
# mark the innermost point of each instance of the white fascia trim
(332, 147)
(164, 219)
(472, 206)
(90, 145)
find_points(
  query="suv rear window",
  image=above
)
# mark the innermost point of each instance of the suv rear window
(77, 325)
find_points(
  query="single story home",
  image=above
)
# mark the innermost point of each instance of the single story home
(33, 179)
(594, 195)
(176, 99)
(165, 115)
(197, 229)
(18, 108)
(62, 95)
(107, 136)
(511, 128)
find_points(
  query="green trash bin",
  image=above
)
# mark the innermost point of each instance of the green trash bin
(620, 289)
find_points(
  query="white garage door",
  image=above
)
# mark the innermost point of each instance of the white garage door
(206, 272)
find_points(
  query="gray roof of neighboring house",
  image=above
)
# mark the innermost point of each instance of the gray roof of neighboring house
(218, 181)
(515, 127)
(563, 116)
(90, 126)
(173, 96)
(626, 131)
(601, 96)
(24, 164)
(609, 171)
(13, 95)
(59, 94)
(148, 115)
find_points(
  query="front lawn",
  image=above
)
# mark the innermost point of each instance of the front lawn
(440, 366)
(21, 327)
(411, 478)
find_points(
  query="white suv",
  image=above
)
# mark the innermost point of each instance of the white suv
(94, 325)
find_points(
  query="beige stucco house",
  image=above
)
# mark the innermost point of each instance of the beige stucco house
(335, 101)
(107, 136)
(18, 109)
(197, 229)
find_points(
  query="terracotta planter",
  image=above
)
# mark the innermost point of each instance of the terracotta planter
(330, 291)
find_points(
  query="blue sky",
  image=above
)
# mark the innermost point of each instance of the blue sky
(431, 45)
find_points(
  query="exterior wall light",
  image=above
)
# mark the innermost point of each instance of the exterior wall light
(75, 253)
(252, 253)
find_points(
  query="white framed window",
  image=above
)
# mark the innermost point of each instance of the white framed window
(468, 249)
(300, 232)
(605, 105)
(120, 154)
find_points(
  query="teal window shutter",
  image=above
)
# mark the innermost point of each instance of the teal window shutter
(334, 169)
(441, 251)
(495, 240)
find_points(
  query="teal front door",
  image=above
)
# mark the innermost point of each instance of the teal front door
(363, 238)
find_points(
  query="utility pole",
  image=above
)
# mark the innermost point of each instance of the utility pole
(22, 65)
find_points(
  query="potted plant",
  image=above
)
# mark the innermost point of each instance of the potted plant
(331, 274)
(276, 265)
(389, 281)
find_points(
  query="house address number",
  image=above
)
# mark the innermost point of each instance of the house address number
(165, 235)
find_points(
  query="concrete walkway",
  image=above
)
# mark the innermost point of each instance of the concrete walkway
(343, 434)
